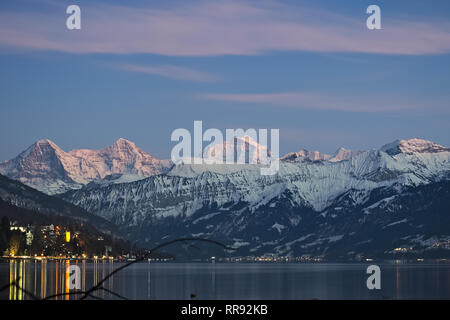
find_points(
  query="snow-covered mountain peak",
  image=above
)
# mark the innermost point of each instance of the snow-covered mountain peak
(246, 147)
(45, 142)
(303, 155)
(341, 151)
(125, 150)
(48, 168)
(42, 147)
(124, 144)
(413, 146)
(248, 140)
(344, 154)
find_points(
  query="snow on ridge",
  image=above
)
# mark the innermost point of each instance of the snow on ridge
(240, 146)
(320, 183)
(278, 227)
(413, 146)
(48, 168)
(312, 184)
(303, 155)
(344, 154)
(395, 223)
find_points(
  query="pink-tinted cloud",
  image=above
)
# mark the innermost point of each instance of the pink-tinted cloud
(172, 72)
(325, 101)
(211, 28)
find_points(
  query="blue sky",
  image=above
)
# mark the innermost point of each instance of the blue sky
(139, 70)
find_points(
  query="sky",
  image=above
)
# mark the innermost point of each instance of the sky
(141, 69)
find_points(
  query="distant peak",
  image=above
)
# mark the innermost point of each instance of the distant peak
(43, 145)
(45, 142)
(246, 140)
(412, 146)
(305, 154)
(122, 141)
(342, 154)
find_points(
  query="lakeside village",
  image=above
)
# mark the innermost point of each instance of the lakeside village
(58, 242)
(61, 242)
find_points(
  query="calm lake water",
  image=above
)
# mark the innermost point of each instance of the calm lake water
(150, 280)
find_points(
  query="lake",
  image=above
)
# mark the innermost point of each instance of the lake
(151, 280)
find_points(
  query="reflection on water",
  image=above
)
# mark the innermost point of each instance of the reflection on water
(43, 278)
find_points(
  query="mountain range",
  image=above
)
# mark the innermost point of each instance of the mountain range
(351, 204)
(46, 167)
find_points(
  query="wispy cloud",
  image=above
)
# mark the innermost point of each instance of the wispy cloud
(172, 72)
(211, 28)
(327, 101)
